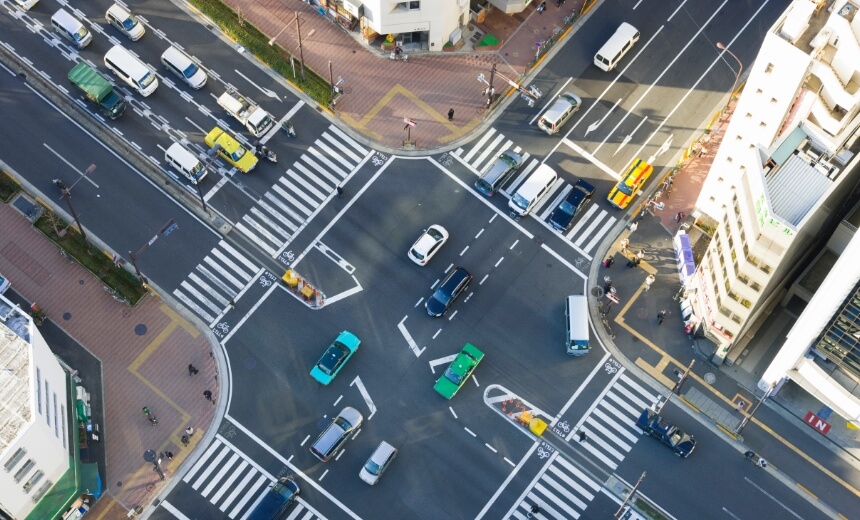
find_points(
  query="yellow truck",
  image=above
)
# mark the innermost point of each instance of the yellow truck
(634, 177)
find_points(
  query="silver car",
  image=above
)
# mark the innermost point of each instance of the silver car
(378, 463)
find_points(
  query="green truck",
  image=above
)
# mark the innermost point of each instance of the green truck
(97, 89)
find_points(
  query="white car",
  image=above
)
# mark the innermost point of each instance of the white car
(428, 244)
(26, 5)
(378, 463)
(127, 23)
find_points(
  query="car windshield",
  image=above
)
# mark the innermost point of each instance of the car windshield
(417, 254)
(442, 296)
(566, 207)
(81, 34)
(190, 71)
(520, 201)
(452, 376)
(625, 189)
(238, 154)
(675, 438)
(435, 234)
(372, 467)
(129, 23)
(147, 80)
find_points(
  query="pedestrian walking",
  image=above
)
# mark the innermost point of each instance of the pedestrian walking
(680, 216)
(661, 316)
(608, 262)
(633, 227)
(339, 192)
(640, 255)
(192, 369)
(558, 4)
(208, 395)
(535, 509)
(189, 431)
(648, 281)
(741, 405)
(749, 455)
(582, 436)
(451, 111)
(541, 7)
(184, 440)
(761, 463)
(624, 243)
(169, 455)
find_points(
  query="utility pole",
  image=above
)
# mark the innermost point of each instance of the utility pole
(67, 196)
(629, 496)
(752, 412)
(683, 377)
(165, 230)
(301, 52)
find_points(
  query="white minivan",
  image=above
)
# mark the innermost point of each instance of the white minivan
(183, 67)
(185, 162)
(71, 29)
(576, 325)
(125, 22)
(532, 191)
(131, 70)
(618, 45)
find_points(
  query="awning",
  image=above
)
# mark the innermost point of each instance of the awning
(684, 256)
(91, 481)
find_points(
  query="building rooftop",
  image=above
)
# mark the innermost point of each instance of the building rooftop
(15, 368)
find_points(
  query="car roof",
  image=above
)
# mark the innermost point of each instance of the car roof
(457, 275)
(382, 452)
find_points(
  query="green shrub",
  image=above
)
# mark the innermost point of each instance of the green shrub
(488, 40)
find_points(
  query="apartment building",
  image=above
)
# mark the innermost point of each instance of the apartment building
(784, 171)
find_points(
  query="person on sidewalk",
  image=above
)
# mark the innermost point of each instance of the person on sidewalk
(192, 369)
(189, 431)
(640, 255)
(542, 7)
(184, 440)
(761, 463)
(648, 281)
(451, 111)
(633, 227)
(169, 455)
(661, 316)
(608, 262)
(749, 455)
(208, 395)
(624, 243)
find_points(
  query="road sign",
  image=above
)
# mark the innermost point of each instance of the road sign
(409, 122)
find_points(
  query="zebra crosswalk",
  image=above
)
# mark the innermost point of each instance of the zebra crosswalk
(590, 226)
(216, 281)
(293, 199)
(234, 483)
(564, 490)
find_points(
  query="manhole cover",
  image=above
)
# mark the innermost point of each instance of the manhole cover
(710, 378)
(140, 329)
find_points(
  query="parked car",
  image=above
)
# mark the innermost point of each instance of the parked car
(378, 462)
(562, 217)
(651, 423)
(428, 244)
(332, 439)
(455, 376)
(455, 283)
(335, 357)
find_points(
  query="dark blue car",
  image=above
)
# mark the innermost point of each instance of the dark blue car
(455, 283)
(562, 217)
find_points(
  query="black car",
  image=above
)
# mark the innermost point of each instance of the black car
(277, 500)
(563, 215)
(666, 432)
(451, 287)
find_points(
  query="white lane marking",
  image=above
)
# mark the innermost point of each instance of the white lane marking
(483, 279)
(349, 292)
(80, 172)
(517, 241)
(494, 450)
(453, 412)
(441, 361)
(499, 262)
(408, 338)
(365, 395)
(337, 400)
(470, 432)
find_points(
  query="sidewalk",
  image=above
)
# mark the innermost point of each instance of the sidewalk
(379, 93)
(144, 353)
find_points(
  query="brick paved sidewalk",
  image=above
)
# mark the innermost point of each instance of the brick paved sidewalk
(144, 353)
(379, 93)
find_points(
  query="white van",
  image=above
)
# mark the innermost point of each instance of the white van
(71, 29)
(576, 325)
(532, 191)
(183, 67)
(559, 113)
(125, 22)
(613, 50)
(185, 162)
(131, 70)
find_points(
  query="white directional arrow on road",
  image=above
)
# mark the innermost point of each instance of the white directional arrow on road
(595, 125)
(442, 360)
(408, 337)
(629, 137)
(663, 149)
(265, 91)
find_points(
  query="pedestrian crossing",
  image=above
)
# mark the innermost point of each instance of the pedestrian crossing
(292, 200)
(216, 281)
(235, 484)
(589, 228)
(564, 490)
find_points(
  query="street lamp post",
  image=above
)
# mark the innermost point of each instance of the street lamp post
(737, 75)
(67, 196)
(299, 34)
(165, 230)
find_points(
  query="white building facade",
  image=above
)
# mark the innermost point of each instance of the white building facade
(34, 414)
(417, 24)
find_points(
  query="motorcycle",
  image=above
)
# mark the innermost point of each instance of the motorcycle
(288, 128)
(266, 153)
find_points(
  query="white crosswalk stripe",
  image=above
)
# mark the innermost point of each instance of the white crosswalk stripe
(208, 289)
(563, 489)
(309, 181)
(588, 229)
(234, 483)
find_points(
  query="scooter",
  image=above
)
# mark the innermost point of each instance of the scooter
(266, 153)
(398, 55)
(288, 127)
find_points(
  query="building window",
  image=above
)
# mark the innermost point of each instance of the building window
(56, 427)
(769, 68)
(39, 390)
(47, 403)
(42, 490)
(24, 470)
(37, 476)
(63, 417)
(410, 6)
(16, 458)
